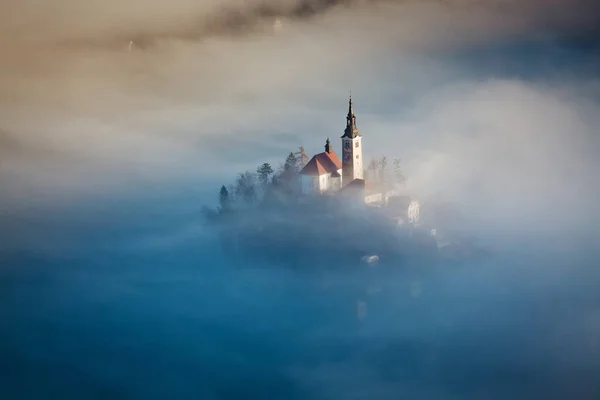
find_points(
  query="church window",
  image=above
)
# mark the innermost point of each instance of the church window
(357, 156)
(356, 145)
(348, 145)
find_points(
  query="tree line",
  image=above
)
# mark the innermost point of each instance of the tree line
(377, 170)
(252, 188)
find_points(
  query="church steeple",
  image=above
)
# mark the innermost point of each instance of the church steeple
(352, 163)
(328, 146)
(351, 129)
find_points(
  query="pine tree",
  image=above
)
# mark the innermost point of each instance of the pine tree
(291, 163)
(224, 200)
(245, 187)
(264, 172)
(231, 191)
(289, 180)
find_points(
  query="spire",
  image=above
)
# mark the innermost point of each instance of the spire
(328, 146)
(351, 129)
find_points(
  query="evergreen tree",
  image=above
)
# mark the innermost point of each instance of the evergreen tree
(231, 191)
(275, 180)
(291, 163)
(288, 180)
(264, 172)
(224, 200)
(245, 187)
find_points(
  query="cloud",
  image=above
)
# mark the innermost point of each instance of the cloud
(508, 150)
(208, 80)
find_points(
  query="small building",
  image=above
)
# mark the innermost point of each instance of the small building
(322, 173)
(378, 193)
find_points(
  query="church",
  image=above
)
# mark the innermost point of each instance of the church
(325, 172)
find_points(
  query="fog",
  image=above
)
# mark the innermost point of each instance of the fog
(196, 97)
(165, 313)
(119, 120)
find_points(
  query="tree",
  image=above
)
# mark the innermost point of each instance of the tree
(372, 168)
(398, 175)
(383, 161)
(231, 191)
(291, 163)
(224, 200)
(245, 187)
(264, 172)
(301, 157)
(288, 180)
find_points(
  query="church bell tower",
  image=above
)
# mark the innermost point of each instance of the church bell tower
(352, 160)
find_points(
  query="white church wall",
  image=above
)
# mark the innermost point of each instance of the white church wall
(319, 184)
(309, 184)
(336, 183)
(324, 182)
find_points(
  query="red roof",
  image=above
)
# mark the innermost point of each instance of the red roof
(322, 163)
(313, 167)
(332, 157)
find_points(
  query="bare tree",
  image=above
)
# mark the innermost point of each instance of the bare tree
(398, 174)
(372, 169)
(301, 157)
(383, 161)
